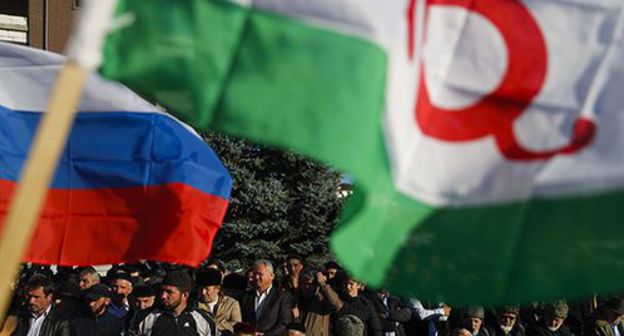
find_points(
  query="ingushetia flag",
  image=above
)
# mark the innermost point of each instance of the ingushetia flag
(484, 136)
(132, 183)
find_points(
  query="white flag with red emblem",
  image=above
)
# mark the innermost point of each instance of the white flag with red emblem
(484, 135)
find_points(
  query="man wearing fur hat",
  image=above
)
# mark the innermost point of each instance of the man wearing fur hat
(121, 285)
(472, 320)
(552, 321)
(225, 310)
(508, 325)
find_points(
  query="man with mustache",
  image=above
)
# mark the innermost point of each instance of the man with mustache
(42, 318)
(177, 316)
(552, 321)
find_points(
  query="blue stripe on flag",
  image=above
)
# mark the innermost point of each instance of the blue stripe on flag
(118, 149)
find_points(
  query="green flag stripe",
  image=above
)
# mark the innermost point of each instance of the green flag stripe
(177, 55)
(269, 77)
(539, 249)
(281, 81)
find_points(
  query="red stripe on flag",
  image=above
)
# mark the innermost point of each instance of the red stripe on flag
(172, 223)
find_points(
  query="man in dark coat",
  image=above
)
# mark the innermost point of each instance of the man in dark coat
(508, 323)
(265, 306)
(99, 322)
(357, 305)
(143, 297)
(42, 319)
(393, 313)
(177, 317)
(552, 321)
(606, 319)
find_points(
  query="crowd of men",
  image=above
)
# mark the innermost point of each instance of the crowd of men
(161, 299)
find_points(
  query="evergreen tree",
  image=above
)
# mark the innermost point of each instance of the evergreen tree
(281, 204)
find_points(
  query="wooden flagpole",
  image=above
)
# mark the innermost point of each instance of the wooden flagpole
(84, 55)
(28, 199)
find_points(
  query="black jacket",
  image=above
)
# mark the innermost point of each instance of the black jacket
(53, 325)
(105, 325)
(364, 310)
(275, 315)
(192, 322)
(392, 316)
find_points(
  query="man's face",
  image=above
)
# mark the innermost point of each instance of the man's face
(171, 297)
(353, 288)
(553, 323)
(474, 323)
(122, 287)
(87, 281)
(308, 282)
(250, 277)
(331, 273)
(209, 294)
(142, 303)
(263, 277)
(38, 302)
(507, 320)
(295, 266)
(98, 307)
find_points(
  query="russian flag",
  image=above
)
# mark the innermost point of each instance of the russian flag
(132, 183)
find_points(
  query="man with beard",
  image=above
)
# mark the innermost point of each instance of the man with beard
(551, 323)
(99, 322)
(473, 321)
(144, 297)
(508, 325)
(265, 306)
(224, 309)
(176, 317)
(42, 319)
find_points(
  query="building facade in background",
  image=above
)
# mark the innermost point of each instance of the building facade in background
(43, 24)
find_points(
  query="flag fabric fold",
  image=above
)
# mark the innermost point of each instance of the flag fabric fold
(132, 183)
(483, 137)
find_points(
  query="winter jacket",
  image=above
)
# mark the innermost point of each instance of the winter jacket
(192, 322)
(53, 325)
(105, 325)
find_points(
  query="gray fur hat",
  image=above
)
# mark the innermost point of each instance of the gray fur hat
(475, 311)
(556, 309)
(349, 325)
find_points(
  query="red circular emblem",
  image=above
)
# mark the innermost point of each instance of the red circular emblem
(496, 111)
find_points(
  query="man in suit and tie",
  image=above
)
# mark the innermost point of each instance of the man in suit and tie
(264, 305)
